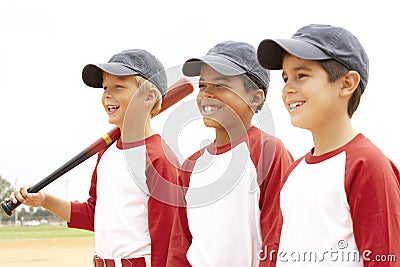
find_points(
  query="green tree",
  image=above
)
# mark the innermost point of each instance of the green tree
(5, 191)
(5, 188)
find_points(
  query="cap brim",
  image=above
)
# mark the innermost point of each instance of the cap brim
(270, 52)
(92, 74)
(192, 67)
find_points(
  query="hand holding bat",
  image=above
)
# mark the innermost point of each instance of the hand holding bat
(175, 93)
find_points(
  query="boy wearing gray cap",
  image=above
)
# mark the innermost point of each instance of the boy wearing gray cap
(129, 206)
(230, 187)
(341, 201)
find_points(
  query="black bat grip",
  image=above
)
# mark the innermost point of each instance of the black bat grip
(9, 206)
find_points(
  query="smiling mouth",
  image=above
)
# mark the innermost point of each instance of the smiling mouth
(209, 109)
(295, 105)
(112, 108)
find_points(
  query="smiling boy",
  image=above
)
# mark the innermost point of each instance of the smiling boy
(230, 187)
(341, 201)
(128, 207)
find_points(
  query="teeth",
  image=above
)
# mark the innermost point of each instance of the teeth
(109, 108)
(209, 109)
(295, 105)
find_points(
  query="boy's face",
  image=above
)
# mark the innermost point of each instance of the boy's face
(310, 99)
(223, 100)
(118, 92)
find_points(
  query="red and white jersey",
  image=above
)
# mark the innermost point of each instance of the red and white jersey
(130, 208)
(341, 208)
(230, 203)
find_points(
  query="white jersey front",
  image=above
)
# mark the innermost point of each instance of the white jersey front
(226, 212)
(126, 195)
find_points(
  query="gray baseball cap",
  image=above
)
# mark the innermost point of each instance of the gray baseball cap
(128, 62)
(230, 58)
(317, 42)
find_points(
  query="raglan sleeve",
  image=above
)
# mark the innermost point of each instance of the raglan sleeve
(181, 237)
(162, 180)
(272, 172)
(82, 213)
(373, 191)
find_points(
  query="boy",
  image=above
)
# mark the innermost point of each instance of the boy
(341, 201)
(229, 186)
(127, 207)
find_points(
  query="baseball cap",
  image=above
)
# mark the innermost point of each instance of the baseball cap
(128, 62)
(317, 42)
(230, 58)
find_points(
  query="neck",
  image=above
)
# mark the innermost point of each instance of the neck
(137, 132)
(225, 136)
(332, 136)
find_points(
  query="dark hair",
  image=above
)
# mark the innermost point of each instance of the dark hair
(252, 83)
(336, 70)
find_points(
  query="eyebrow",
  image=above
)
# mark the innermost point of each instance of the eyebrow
(300, 68)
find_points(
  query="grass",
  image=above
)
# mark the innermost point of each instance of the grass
(41, 232)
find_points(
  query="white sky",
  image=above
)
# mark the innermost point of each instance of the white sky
(49, 115)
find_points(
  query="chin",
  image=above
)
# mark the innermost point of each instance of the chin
(211, 123)
(300, 125)
(297, 123)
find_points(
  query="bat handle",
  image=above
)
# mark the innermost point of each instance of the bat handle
(9, 206)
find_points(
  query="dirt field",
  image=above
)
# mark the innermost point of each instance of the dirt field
(64, 252)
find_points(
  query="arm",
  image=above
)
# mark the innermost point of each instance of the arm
(270, 217)
(78, 215)
(161, 181)
(55, 205)
(82, 214)
(373, 189)
(181, 237)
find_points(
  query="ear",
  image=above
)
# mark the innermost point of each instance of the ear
(350, 83)
(151, 96)
(257, 98)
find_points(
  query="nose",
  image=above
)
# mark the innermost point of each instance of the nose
(205, 92)
(107, 93)
(288, 89)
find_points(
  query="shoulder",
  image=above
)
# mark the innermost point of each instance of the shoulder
(262, 144)
(259, 138)
(158, 151)
(367, 166)
(363, 154)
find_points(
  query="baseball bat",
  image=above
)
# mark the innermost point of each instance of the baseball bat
(175, 93)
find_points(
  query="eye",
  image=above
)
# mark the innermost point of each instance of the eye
(222, 86)
(301, 75)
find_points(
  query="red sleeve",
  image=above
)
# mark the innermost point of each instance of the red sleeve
(162, 174)
(82, 214)
(181, 238)
(271, 172)
(373, 191)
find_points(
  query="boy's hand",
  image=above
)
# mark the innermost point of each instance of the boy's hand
(29, 199)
